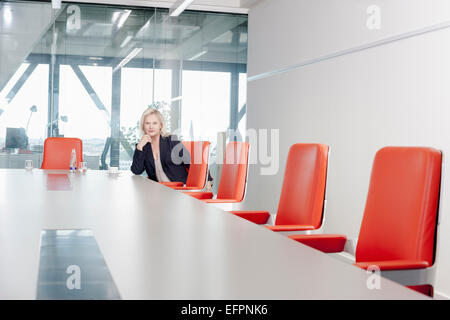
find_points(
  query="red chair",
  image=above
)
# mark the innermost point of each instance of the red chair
(233, 178)
(198, 169)
(57, 153)
(187, 145)
(302, 197)
(398, 230)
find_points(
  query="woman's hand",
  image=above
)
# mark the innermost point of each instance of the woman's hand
(144, 140)
(209, 186)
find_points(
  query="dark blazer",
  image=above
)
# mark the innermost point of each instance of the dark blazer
(143, 160)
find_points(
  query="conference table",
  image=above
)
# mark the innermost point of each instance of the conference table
(158, 243)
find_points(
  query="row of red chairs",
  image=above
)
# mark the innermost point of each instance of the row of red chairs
(399, 226)
(233, 178)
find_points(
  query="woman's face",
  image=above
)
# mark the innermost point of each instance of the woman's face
(152, 126)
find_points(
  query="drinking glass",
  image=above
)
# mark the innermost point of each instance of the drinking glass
(83, 167)
(28, 164)
(113, 170)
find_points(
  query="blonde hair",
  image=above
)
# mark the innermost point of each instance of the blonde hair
(149, 112)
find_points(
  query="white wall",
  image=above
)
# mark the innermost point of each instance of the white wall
(393, 94)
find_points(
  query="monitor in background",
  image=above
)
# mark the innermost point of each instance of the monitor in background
(16, 138)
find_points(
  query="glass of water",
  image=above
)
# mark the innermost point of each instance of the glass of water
(83, 167)
(28, 164)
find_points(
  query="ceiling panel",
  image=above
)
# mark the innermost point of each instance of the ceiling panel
(230, 6)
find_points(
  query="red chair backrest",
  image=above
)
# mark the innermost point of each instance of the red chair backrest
(303, 192)
(234, 172)
(198, 168)
(399, 220)
(57, 152)
(188, 145)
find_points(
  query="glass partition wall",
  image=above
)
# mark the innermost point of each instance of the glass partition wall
(89, 71)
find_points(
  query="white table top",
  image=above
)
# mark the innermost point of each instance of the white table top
(161, 244)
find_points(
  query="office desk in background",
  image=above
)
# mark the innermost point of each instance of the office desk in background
(162, 244)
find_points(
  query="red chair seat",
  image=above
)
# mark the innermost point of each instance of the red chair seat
(220, 200)
(186, 188)
(290, 227)
(200, 195)
(328, 243)
(172, 184)
(394, 264)
(258, 217)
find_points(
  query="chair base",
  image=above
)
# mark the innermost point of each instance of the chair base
(426, 289)
(328, 243)
(200, 195)
(258, 217)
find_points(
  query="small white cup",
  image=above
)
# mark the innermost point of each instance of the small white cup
(29, 164)
(113, 170)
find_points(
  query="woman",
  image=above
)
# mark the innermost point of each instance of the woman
(154, 152)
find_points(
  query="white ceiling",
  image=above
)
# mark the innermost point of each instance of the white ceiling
(231, 6)
(248, 3)
(22, 36)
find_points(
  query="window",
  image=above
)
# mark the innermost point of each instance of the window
(92, 70)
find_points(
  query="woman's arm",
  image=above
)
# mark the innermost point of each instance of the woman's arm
(137, 167)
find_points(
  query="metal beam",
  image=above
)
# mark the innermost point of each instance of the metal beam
(20, 82)
(115, 119)
(234, 100)
(53, 97)
(99, 104)
(87, 86)
(141, 63)
(242, 112)
(124, 142)
(103, 165)
(234, 89)
(175, 108)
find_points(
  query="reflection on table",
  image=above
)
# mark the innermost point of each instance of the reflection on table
(15, 159)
